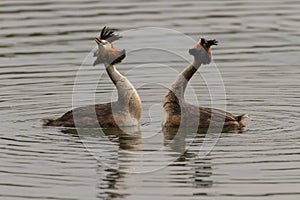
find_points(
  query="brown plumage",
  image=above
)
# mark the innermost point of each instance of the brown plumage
(126, 111)
(180, 113)
(86, 117)
(94, 116)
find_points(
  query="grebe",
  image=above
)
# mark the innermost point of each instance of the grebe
(126, 111)
(178, 112)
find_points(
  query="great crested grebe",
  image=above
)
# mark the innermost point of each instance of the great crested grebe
(126, 111)
(178, 112)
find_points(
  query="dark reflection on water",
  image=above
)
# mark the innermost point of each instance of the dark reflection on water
(188, 145)
(113, 172)
(42, 45)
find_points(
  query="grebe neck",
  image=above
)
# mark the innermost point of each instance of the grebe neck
(179, 86)
(128, 97)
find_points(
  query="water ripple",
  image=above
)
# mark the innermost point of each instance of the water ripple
(44, 43)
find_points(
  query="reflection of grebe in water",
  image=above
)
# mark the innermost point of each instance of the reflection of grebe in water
(126, 111)
(180, 113)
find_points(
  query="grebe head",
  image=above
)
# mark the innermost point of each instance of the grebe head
(202, 51)
(103, 44)
(106, 53)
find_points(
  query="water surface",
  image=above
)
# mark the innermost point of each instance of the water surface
(43, 45)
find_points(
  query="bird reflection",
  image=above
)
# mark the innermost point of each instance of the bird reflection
(187, 143)
(113, 148)
(120, 152)
(126, 138)
(176, 136)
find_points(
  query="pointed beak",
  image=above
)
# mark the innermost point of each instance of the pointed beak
(98, 41)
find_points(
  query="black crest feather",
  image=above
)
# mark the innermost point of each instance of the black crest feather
(212, 42)
(109, 35)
